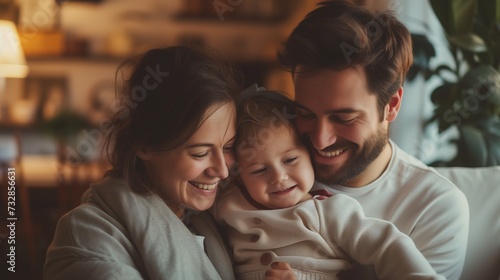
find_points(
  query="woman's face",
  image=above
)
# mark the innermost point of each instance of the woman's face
(188, 176)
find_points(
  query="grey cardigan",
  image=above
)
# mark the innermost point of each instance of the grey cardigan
(118, 234)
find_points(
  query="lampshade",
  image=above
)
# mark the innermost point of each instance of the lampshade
(12, 61)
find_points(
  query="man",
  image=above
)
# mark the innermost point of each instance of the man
(348, 66)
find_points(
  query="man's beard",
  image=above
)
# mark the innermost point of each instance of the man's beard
(360, 160)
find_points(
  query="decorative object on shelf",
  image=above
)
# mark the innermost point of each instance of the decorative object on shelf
(39, 28)
(43, 43)
(49, 93)
(39, 16)
(469, 97)
(265, 11)
(22, 112)
(12, 61)
(9, 10)
(119, 43)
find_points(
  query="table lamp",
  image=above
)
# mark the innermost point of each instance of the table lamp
(12, 61)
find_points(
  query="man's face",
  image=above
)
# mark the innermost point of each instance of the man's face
(338, 119)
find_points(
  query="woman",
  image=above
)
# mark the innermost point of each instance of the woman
(169, 146)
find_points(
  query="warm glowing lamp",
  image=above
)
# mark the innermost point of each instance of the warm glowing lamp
(12, 61)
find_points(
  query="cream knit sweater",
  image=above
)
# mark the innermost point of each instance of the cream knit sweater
(317, 238)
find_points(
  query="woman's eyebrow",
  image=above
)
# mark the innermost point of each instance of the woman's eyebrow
(232, 139)
(200, 145)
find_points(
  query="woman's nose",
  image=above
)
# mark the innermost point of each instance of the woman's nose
(219, 167)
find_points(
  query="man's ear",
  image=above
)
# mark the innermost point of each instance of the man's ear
(392, 109)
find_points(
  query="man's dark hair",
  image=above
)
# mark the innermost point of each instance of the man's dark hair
(340, 35)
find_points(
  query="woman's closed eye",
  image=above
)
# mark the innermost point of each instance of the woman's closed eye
(229, 146)
(228, 149)
(200, 155)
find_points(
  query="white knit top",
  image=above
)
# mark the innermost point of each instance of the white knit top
(317, 238)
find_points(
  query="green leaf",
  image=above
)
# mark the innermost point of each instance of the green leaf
(442, 94)
(472, 104)
(423, 51)
(456, 16)
(486, 58)
(443, 13)
(471, 146)
(489, 11)
(482, 85)
(469, 42)
(65, 124)
(479, 144)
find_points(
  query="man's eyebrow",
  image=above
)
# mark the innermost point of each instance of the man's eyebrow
(334, 111)
(300, 106)
(343, 111)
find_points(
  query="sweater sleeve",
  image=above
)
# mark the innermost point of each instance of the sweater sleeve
(118, 234)
(441, 232)
(372, 241)
(101, 257)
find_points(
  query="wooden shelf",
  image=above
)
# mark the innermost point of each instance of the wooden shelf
(63, 58)
(252, 20)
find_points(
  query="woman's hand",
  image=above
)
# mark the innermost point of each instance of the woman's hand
(280, 271)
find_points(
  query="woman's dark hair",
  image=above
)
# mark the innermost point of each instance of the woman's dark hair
(162, 105)
(340, 35)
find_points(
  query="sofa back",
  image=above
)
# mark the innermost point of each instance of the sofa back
(481, 186)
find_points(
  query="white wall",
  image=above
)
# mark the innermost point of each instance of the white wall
(408, 130)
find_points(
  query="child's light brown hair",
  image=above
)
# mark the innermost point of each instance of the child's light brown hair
(260, 114)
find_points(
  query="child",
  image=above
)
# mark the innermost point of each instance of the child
(273, 217)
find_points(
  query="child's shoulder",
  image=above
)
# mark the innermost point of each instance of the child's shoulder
(320, 194)
(228, 193)
(328, 202)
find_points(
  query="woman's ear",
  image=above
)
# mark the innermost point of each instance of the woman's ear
(144, 154)
(392, 109)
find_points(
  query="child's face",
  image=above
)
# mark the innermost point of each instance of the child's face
(280, 173)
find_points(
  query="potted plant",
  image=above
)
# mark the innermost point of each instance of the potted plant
(63, 127)
(469, 97)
